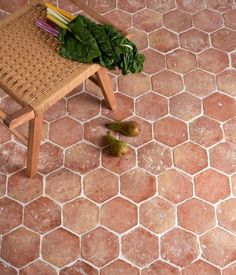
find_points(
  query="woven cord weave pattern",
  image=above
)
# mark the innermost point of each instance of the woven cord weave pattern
(29, 60)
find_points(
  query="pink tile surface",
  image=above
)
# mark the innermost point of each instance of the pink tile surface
(166, 208)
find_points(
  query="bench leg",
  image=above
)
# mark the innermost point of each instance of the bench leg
(35, 133)
(105, 85)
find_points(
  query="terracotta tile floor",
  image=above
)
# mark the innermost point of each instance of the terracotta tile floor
(169, 206)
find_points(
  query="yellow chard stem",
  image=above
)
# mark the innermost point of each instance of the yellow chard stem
(56, 21)
(66, 14)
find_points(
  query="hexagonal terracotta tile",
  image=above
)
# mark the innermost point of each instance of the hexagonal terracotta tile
(222, 157)
(67, 5)
(119, 165)
(20, 247)
(42, 215)
(134, 84)
(212, 186)
(226, 81)
(10, 7)
(157, 214)
(131, 6)
(38, 267)
(58, 110)
(103, 6)
(65, 132)
(144, 247)
(154, 158)
(218, 247)
(147, 20)
(83, 106)
(167, 83)
(190, 6)
(219, 5)
(6, 269)
(226, 213)
(139, 37)
(100, 185)
(5, 134)
(154, 61)
(196, 215)
(190, 158)
(63, 185)
(194, 40)
(229, 19)
(119, 215)
(120, 19)
(179, 247)
(138, 185)
(125, 108)
(2, 185)
(160, 6)
(95, 131)
(207, 20)
(50, 158)
(201, 267)
(143, 106)
(60, 247)
(163, 40)
(177, 20)
(181, 61)
(219, 106)
(170, 131)
(81, 267)
(78, 220)
(174, 186)
(100, 240)
(224, 39)
(12, 157)
(230, 270)
(24, 189)
(9, 105)
(160, 268)
(119, 267)
(76, 155)
(205, 131)
(10, 215)
(230, 130)
(185, 106)
(200, 83)
(144, 136)
(213, 60)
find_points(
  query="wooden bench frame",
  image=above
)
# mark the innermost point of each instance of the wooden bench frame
(27, 114)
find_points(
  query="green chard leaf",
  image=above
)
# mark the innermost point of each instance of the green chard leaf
(87, 42)
(77, 43)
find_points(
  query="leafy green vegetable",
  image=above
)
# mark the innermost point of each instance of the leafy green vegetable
(87, 42)
(77, 43)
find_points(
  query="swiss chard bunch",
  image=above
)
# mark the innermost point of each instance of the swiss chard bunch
(85, 41)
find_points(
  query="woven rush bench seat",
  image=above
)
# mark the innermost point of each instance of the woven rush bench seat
(36, 76)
